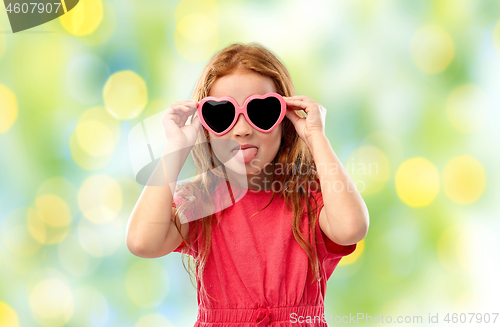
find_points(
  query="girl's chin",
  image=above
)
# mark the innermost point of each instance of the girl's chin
(239, 168)
(243, 171)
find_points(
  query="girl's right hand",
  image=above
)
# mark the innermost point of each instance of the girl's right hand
(174, 119)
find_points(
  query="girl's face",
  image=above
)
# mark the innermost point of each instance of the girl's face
(240, 85)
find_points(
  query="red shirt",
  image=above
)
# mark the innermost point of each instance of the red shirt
(256, 270)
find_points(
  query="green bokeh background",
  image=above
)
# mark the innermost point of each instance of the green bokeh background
(357, 58)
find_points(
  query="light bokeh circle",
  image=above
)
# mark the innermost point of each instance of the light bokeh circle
(196, 34)
(100, 198)
(464, 179)
(51, 302)
(417, 182)
(125, 95)
(8, 108)
(49, 219)
(8, 316)
(94, 138)
(100, 240)
(368, 168)
(53, 210)
(91, 308)
(467, 108)
(146, 283)
(431, 49)
(84, 18)
(15, 234)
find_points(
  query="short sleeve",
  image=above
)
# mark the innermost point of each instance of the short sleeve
(182, 245)
(179, 249)
(328, 249)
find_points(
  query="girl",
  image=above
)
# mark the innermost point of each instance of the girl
(262, 241)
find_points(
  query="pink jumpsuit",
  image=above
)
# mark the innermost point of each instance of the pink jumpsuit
(257, 272)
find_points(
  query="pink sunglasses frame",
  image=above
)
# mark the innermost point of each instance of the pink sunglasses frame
(242, 110)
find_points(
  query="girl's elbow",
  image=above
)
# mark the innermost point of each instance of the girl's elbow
(135, 248)
(362, 229)
(356, 233)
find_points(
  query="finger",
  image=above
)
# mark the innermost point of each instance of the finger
(293, 116)
(191, 104)
(185, 111)
(299, 97)
(175, 110)
(182, 119)
(196, 123)
(300, 105)
(182, 107)
(179, 114)
(191, 108)
(188, 107)
(303, 105)
(297, 102)
(172, 118)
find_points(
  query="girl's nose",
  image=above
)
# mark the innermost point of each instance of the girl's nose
(242, 127)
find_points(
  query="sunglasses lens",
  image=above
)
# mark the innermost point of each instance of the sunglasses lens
(218, 115)
(264, 113)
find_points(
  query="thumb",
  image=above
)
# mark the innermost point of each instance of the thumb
(195, 122)
(290, 114)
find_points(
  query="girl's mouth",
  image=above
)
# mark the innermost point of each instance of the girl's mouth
(245, 155)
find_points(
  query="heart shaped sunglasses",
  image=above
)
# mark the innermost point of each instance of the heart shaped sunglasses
(262, 112)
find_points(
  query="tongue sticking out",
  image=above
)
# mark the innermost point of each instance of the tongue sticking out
(246, 155)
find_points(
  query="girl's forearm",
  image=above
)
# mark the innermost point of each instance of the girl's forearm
(150, 219)
(345, 209)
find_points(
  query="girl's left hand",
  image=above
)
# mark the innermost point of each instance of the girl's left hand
(308, 127)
